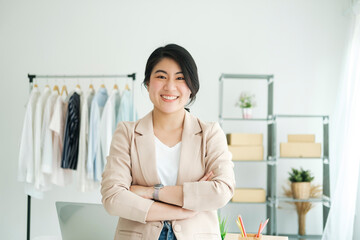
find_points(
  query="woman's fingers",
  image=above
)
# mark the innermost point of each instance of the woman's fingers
(207, 177)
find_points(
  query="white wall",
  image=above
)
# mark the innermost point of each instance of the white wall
(301, 42)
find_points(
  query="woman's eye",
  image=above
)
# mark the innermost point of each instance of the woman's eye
(161, 77)
(180, 78)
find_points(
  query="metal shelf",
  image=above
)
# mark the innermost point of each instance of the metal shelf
(289, 199)
(244, 119)
(251, 161)
(257, 203)
(246, 76)
(299, 158)
(301, 116)
(272, 159)
(297, 236)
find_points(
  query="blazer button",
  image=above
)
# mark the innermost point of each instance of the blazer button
(177, 228)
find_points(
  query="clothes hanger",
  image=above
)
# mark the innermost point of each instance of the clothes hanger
(102, 86)
(35, 85)
(64, 89)
(78, 89)
(127, 87)
(116, 86)
(91, 86)
(47, 83)
(56, 88)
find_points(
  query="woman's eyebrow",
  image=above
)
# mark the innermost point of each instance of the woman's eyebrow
(179, 73)
(161, 71)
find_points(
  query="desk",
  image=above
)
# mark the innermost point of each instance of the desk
(234, 236)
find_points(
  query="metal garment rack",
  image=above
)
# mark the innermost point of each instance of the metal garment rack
(272, 158)
(31, 83)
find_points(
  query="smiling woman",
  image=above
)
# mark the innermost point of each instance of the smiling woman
(167, 85)
(163, 169)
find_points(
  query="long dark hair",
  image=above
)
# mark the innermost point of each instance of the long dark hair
(183, 58)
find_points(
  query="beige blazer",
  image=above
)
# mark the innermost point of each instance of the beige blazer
(132, 162)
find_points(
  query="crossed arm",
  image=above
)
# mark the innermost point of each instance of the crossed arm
(171, 201)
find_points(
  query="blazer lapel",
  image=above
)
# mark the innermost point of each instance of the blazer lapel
(146, 150)
(190, 147)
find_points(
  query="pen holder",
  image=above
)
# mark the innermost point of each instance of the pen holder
(250, 236)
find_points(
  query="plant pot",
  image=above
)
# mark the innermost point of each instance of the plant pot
(247, 113)
(300, 190)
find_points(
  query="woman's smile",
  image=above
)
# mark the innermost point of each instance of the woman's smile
(169, 98)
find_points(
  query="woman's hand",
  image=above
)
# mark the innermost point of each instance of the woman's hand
(207, 177)
(145, 192)
(188, 213)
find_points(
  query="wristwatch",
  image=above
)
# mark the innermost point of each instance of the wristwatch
(157, 188)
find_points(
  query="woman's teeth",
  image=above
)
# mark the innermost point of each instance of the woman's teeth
(169, 97)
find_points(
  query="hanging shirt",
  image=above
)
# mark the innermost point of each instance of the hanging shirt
(26, 153)
(39, 135)
(71, 136)
(59, 176)
(47, 143)
(107, 126)
(84, 183)
(97, 106)
(167, 162)
(126, 108)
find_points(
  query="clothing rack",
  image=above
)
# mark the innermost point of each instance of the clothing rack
(31, 80)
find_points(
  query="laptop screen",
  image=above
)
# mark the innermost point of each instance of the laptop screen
(85, 221)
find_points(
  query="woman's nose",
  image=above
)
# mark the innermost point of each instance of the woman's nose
(170, 84)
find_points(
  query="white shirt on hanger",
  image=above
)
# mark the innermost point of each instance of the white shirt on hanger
(107, 126)
(126, 108)
(97, 106)
(26, 153)
(47, 148)
(84, 183)
(39, 135)
(59, 176)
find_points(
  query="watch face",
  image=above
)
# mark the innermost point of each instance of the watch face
(158, 186)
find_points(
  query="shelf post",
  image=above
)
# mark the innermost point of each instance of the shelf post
(326, 168)
(271, 175)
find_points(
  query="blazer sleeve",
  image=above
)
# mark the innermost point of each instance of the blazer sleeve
(117, 199)
(214, 194)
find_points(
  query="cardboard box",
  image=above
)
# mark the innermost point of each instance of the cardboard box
(244, 139)
(240, 153)
(249, 195)
(300, 150)
(301, 138)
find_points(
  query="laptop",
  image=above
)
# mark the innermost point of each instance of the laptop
(86, 221)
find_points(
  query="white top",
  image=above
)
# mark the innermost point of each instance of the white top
(26, 154)
(39, 136)
(47, 141)
(167, 162)
(108, 125)
(59, 176)
(84, 183)
(93, 164)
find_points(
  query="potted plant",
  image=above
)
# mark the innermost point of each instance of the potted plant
(300, 183)
(246, 103)
(223, 227)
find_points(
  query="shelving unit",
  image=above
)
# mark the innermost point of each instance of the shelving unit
(273, 159)
(271, 177)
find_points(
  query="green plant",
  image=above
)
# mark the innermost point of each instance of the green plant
(246, 100)
(223, 227)
(300, 175)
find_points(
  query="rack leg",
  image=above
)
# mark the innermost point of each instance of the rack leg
(28, 217)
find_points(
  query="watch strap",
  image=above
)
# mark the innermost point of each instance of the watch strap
(156, 194)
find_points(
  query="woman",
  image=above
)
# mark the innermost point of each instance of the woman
(168, 173)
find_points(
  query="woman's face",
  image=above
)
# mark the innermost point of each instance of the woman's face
(167, 88)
